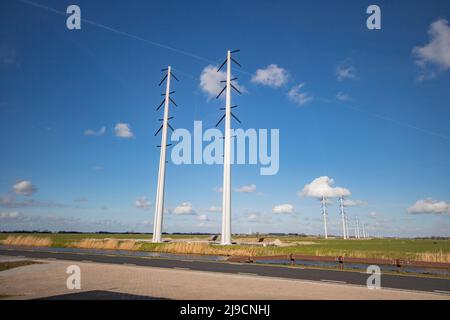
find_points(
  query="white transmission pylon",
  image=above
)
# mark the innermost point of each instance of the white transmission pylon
(226, 190)
(159, 204)
(358, 235)
(325, 214)
(347, 225)
(344, 227)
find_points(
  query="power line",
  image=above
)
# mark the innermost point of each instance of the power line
(203, 59)
(401, 123)
(132, 36)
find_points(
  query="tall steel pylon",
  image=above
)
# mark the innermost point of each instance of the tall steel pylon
(226, 190)
(325, 214)
(159, 203)
(344, 223)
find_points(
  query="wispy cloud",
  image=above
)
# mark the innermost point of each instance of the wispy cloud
(95, 133)
(202, 217)
(9, 215)
(354, 203)
(374, 214)
(80, 200)
(343, 97)
(215, 209)
(142, 203)
(246, 189)
(10, 221)
(300, 98)
(346, 73)
(9, 201)
(253, 217)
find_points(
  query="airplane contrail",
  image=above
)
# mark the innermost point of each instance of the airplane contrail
(203, 59)
(132, 36)
(123, 33)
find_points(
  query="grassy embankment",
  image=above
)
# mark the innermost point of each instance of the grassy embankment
(14, 264)
(422, 250)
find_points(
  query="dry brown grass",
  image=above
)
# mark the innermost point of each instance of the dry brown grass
(433, 257)
(28, 241)
(249, 239)
(439, 256)
(111, 244)
(203, 248)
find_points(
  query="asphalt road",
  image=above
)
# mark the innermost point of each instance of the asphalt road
(404, 282)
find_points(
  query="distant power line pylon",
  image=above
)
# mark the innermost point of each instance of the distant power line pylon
(325, 214)
(344, 227)
(159, 204)
(347, 225)
(357, 231)
(226, 191)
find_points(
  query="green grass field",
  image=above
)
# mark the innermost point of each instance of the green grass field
(416, 249)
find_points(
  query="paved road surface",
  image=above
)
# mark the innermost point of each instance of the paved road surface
(403, 282)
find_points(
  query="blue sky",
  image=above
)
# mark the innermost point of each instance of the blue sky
(372, 113)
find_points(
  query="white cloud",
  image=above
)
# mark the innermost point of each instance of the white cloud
(283, 208)
(9, 215)
(142, 203)
(9, 201)
(373, 214)
(202, 217)
(184, 208)
(343, 73)
(300, 98)
(323, 187)
(210, 82)
(272, 76)
(343, 97)
(123, 130)
(246, 189)
(24, 188)
(215, 209)
(253, 217)
(436, 52)
(429, 206)
(354, 203)
(91, 132)
(61, 223)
